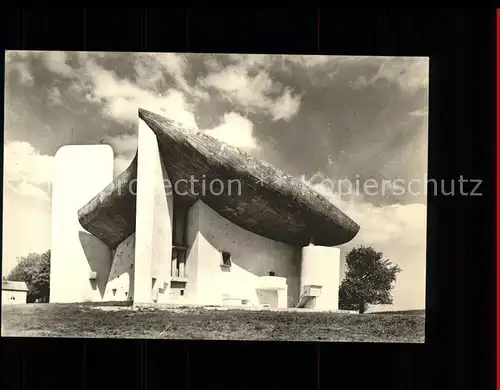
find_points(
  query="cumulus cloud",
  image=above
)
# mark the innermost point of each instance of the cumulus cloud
(54, 96)
(120, 98)
(26, 171)
(24, 72)
(125, 144)
(246, 85)
(236, 131)
(310, 61)
(124, 148)
(15, 63)
(56, 62)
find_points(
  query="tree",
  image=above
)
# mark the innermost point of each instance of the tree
(34, 270)
(368, 280)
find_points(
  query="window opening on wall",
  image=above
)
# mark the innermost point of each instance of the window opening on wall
(182, 292)
(272, 273)
(226, 259)
(114, 291)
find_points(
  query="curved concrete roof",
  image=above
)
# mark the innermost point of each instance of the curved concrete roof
(270, 202)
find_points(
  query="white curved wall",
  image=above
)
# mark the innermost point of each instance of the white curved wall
(252, 256)
(154, 215)
(120, 286)
(80, 172)
(321, 266)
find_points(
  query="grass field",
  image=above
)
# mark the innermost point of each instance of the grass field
(73, 320)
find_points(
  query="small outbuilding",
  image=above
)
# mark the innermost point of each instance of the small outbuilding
(14, 292)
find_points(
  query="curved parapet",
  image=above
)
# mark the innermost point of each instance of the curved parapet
(249, 192)
(110, 215)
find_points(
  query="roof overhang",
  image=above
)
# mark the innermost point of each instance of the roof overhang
(268, 201)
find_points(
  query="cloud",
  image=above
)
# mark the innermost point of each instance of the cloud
(251, 88)
(26, 171)
(124, 148)
(266, 61)
(236, 131)
(120, 98)
(151, 68)
(24, 72)
(311, 61)
(15, 62)
(124, 144)
(410, 73)
(54, 96)
(56, 62)
(26, 227)
(399, 232)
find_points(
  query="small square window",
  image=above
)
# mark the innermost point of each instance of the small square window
(226, 259)
(271, 273)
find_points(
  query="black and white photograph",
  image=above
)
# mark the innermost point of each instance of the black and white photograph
(215, 196)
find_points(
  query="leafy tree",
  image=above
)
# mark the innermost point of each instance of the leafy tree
(368, 280)
(34, 269)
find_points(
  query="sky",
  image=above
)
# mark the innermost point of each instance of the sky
(324, 119)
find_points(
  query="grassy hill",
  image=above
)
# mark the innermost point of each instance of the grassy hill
(73, 320)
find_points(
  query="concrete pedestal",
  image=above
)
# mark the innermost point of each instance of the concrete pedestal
(272, 290)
